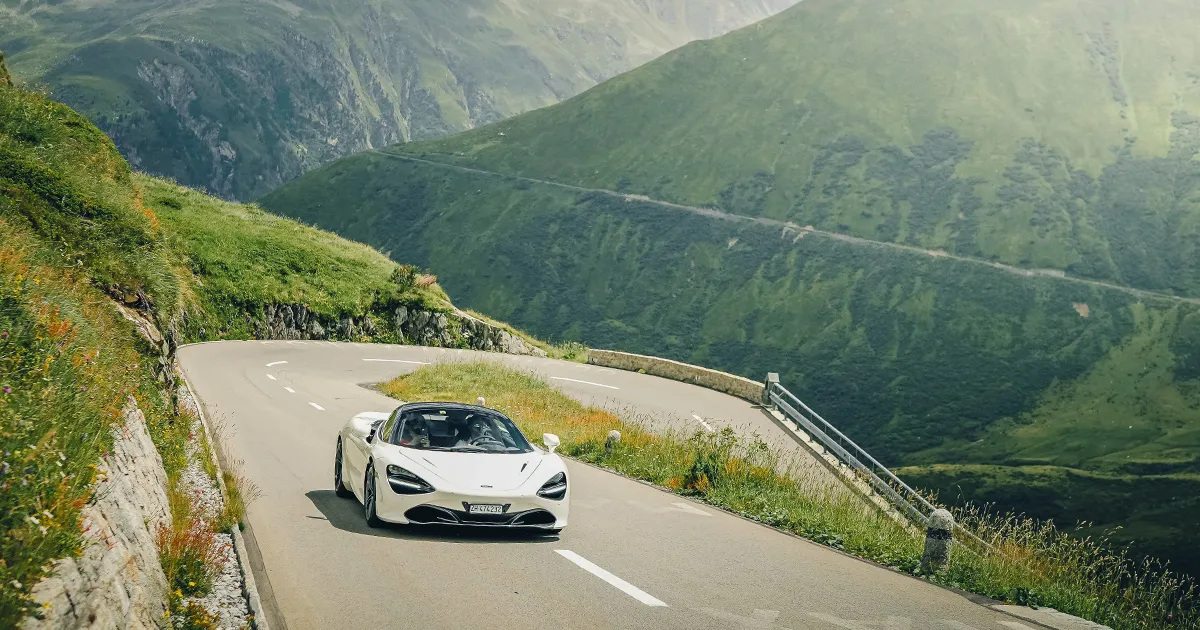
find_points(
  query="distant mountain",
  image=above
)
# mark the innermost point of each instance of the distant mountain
(240, 96)
(1000, 285)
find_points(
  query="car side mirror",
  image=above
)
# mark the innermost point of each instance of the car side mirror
(551, 441)
(373, 431)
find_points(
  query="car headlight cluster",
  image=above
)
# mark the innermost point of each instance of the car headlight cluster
(405, 482)
(554, 489)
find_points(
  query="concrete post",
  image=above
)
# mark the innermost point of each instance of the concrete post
(614, 436)
(938, 541)
(772, 379)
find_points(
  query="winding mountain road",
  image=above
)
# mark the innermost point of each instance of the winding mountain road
(798, 232)
(632, 557)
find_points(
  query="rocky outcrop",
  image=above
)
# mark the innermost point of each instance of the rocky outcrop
(403, 324)
(117, 582)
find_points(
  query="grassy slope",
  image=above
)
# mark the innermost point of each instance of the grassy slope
(1042, 567)
(242, 258)
(1016, 132)
(289, 86)
(72, 228)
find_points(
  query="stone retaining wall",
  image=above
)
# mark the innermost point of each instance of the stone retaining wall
(721, 381)
(117, 582)
(402, 325)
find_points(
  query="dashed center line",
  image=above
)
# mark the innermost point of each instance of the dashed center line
(563, 378)
(290, 390)
(395, 361)
(271, 376)
(625, 587)
(704, 424)
(316, 406)
(274, 363)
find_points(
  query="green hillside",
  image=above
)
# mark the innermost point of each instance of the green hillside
(1051, 134)
(238, 97)
(1019, 132)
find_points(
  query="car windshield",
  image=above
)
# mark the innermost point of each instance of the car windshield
(460, 430)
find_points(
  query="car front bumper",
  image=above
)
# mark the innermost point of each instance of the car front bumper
(442, 507)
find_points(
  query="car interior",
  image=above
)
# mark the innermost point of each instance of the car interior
(453, 428)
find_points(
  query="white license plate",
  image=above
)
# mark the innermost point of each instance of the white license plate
(486, 509)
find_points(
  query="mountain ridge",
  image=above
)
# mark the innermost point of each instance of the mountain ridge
(801, 231)
(238, 98)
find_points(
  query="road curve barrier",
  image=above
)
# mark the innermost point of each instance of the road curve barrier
(712, 379)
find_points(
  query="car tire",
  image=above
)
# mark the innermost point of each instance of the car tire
(370, 496)
(339, 484)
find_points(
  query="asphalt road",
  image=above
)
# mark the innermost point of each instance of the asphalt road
(632, 556)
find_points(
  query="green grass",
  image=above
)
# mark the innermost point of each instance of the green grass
(73, 235)
(1037, 564)
(242, 258)
(289, 88)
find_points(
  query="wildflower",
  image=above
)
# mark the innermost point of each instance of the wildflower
(33, 520)
(83, 388)
(7, 389)
(48, 514)
(16, 584)
(191, 583)
(4, 335)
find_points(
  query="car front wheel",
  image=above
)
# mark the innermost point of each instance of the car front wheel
(339, 485)
(369, 498)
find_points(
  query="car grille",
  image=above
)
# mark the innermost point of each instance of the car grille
(435, 514)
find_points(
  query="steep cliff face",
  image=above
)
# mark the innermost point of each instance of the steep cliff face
(240, 97)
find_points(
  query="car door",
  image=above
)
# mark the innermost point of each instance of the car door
(358, 452)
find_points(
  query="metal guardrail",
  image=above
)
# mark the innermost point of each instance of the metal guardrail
(909, 502)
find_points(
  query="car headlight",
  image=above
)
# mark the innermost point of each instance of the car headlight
(554, 489)
(405, 482)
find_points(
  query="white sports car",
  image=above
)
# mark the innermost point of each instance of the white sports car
(450, 464)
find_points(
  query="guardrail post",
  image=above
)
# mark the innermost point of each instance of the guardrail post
(772, 379)
(614, 437)
(938, 541)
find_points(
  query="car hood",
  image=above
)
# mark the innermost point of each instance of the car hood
(477, 471)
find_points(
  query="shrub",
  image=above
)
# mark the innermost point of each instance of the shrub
(190, 556)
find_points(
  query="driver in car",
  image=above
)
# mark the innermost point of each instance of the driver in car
(480, 435)
(416, 433)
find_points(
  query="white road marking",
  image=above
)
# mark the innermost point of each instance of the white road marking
(690, 509)
(316, 406)
(271, 376)
(274, 363)
(625, 587)
(705, 424)
(290, 390)
(297, 343)
(563, 378)
(396, 361)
